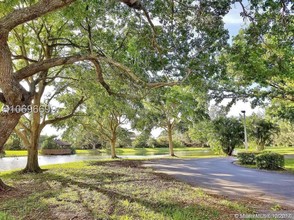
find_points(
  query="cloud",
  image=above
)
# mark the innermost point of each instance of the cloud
(234, 17)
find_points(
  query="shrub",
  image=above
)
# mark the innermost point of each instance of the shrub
(270, 161)
(73, 150)
(2, 154)
(230, 133)
(13, 143)
(49, 143)
(160, 142)
(247, 158)
(178, 144)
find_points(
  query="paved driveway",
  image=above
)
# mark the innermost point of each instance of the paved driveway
(221, 176)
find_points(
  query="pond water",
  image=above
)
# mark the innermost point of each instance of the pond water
(12, 163)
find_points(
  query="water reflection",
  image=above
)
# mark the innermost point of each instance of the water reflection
(11, 163)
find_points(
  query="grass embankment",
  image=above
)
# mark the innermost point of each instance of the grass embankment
(16, 153)
(289, 164)
(109, 190)
(182, 152)
(279, 150)
(191, 152)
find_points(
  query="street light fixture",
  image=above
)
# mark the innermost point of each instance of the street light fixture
(245, 131)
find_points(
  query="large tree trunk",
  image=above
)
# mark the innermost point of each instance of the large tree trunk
(230, 151)
(113, 143)
(13, 93)
(170, 140)
(113, 153)
(7, 124)
(32, 162)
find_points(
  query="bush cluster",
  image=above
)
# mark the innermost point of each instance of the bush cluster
(270, 161)
(247, 158)
(49, 143)
(73, 150)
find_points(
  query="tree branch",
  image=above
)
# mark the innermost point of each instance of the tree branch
(245, 13)
(58, 119)
(22, 57)
(34, 68)
(100, 77)
(47, 64)
(37, 10)
(20, 16)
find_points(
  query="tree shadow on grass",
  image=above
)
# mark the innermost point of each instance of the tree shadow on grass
(101, 176)
(166, 208)
(169, 209)
(117, 163)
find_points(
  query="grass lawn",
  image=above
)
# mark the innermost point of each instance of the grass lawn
(289, 164)
(182, 152)
(285, 150)
(111, 190)
(16, 153)
(280, 150)
(190, 152)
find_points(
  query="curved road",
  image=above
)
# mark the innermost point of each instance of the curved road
(221, 176)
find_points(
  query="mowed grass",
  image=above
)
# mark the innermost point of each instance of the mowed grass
(189, 152)
(289, 164)
(109, 190)
(182, 152)
(16, 153)
(279, 150)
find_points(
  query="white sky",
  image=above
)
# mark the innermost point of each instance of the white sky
(233, 22)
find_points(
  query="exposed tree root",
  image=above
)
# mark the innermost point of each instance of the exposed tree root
(32, 170)
(4, 187)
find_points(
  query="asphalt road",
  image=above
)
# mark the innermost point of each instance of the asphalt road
(221, 176)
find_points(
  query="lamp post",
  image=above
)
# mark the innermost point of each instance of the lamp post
(245, 131)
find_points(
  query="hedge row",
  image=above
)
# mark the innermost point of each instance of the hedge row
(265, 160)
(270, 161)
(247, 158)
